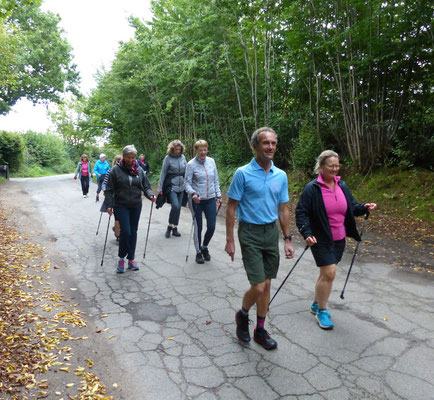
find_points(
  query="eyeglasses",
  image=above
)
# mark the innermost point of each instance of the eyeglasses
(334, 166)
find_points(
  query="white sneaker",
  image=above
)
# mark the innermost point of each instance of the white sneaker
(84, 196)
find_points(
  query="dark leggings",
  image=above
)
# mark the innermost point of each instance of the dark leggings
(100, 182)
(175, 212)
(129, 221)
(84, 184)
(208, 207)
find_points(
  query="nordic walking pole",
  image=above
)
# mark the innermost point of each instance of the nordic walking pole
(99, 223)
(147, 233)
(191, 231)
(105, 242)
(287, 276)
(354, 255)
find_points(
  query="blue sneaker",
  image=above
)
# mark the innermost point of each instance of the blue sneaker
(121, 267)
(324, 321)
(132, 265)
(314, 308)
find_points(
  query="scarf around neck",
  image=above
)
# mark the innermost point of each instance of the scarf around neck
(133, 170)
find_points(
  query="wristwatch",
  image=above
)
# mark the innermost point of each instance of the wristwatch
(289, 237)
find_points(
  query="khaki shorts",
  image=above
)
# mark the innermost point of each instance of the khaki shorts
(260, 251)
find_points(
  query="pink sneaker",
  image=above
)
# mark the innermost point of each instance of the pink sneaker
(132, 265)
(121, 267)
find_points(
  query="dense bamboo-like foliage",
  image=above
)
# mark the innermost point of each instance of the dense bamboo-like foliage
(353, 75)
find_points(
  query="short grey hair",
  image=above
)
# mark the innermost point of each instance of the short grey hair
(254, 140)
(102, 155)
(129, 149)
(320, 161)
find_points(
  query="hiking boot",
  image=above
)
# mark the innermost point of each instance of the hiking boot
(175, 232)
(324, 321)
(314, 308)
(199, 258)
(121, 267)
(167, 234)
(262, 337)
(205, 253)
(132, 265)
(242, 330)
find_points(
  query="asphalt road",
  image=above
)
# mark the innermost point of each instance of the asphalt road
(174, 320)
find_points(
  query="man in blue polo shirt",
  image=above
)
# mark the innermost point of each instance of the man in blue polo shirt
(259, 195)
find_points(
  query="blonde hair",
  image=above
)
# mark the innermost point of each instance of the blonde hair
(320, 161)
(173, 144)
(117, 158)
(82, 156)
(200, 143)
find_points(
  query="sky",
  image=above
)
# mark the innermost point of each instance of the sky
(94, 29)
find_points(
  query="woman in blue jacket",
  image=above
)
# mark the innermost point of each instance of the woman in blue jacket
(100, 170)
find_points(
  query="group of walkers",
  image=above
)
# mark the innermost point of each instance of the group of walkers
(258, 197)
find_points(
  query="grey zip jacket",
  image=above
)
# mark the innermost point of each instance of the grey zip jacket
(201, 177)
(173, 165)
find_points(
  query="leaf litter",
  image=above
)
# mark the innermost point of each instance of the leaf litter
(35, 323)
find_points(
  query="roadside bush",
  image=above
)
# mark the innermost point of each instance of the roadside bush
(12, 149)
(48, 151)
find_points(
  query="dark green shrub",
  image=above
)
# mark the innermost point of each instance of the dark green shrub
(12, 150)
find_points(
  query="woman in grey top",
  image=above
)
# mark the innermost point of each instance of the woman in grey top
(171, 183)
(202, 185)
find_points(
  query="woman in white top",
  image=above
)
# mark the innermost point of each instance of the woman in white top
(202, 185)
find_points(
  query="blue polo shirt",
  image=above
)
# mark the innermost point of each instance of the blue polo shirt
(258, 194)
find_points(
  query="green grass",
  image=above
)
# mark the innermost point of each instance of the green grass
(397, 192)
(35, 171)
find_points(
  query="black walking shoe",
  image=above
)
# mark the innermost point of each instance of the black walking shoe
(242, 331)
(96, 199)
(175, 232)
(199, 258)
(205, 253)
(167, 234)
(262, 337)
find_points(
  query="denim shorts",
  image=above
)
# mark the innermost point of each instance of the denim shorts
(260, 251)
(328, 253)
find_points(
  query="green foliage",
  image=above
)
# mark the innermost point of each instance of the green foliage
(47, 151)
(397, 191)
(36, 60)
(306, 147)
(355, 76)
(12, 149)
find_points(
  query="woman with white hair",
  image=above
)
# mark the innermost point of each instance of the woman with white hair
(123, 194)
(325, 217)
(100, 170)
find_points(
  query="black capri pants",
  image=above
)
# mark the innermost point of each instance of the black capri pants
(328, 253)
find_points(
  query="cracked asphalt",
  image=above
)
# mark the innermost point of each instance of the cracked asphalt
(173, 320)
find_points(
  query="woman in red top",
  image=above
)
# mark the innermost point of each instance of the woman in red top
(84, 171)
